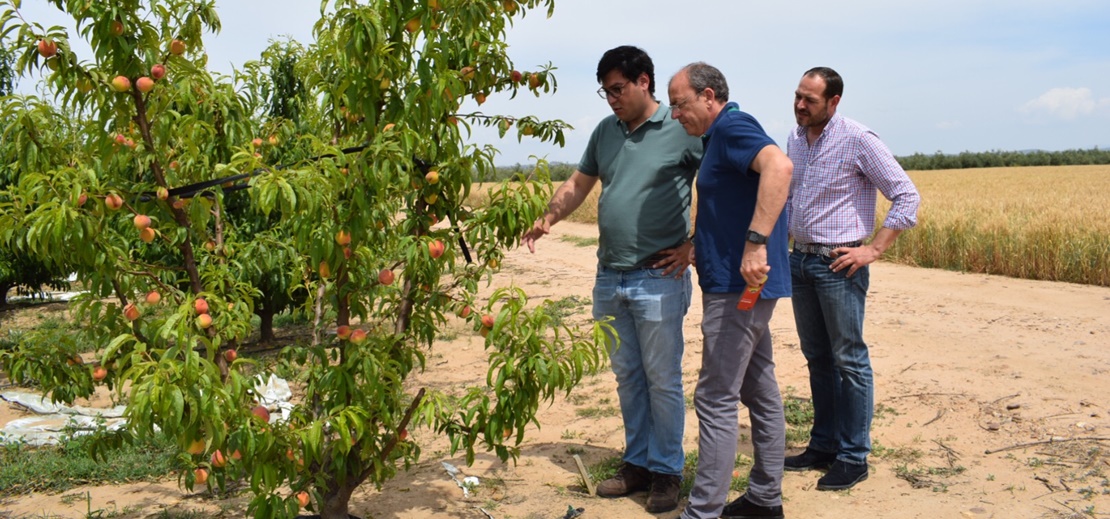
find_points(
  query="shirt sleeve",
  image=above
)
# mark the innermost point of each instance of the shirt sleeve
(588, 165)
(744, 141)
(880, 167)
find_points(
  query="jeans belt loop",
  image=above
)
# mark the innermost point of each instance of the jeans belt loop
(822, 249)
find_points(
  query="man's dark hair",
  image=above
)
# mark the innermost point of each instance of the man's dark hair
(834, 84)
(703, 75)
(630, 61)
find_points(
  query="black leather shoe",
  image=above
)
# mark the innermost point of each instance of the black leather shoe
(663, 496)
(842, 476)
(741, 508)
(810, 459)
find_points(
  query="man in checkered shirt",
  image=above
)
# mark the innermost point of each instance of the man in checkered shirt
(838, 166)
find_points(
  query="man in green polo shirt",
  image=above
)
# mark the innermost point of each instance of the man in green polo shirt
(646, 163)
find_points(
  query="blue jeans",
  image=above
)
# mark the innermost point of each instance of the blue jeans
(647, 310)
(828, 311)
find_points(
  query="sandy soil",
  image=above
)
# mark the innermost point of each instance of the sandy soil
(965, 365)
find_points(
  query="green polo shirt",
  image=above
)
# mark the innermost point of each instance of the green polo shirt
(646, 179)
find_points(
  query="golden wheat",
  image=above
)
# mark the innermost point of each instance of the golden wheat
(1049, 223)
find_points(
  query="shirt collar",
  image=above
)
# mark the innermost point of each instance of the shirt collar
(731, 106)
(660, 115)
(834, 122)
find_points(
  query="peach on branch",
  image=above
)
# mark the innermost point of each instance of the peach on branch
(144, 84)
(81, 199)
(534, 81)
(47, 48)
(388, 127)
(99, 373)
(177, 47)
(515, 76)
(200, 305)
(121, 139)
(480, 97)
(487, 320)
(218, 459)
(230, 355)
(153, 297)
(325, 269)
(210, 246)
(342, 237)
(302, 498)
(346, 253)
(273, 140)
(113, 201)
(141, 221)
(195, 447)
(432, 177)
(413, 25)
(431, 198)
(162, 193)
(256, 142)
(261, 412)
(436, 248)
(121, 84)
(343, 332)
(201, 476)
(116, 27)
(464, 312)
(204, 321)
(158, 72)
(131, 312)
(358, 336)
(385, 277)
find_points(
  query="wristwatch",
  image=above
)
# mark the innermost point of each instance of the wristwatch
(756, 238)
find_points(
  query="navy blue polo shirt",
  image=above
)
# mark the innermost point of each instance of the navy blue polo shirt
(727, 189)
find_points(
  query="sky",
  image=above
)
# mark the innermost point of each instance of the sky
(942, 75)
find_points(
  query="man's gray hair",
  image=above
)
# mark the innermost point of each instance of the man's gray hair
(703, 75)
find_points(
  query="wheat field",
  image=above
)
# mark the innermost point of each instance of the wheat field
(1050, 222)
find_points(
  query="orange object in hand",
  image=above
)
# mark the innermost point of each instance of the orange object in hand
(750, 296)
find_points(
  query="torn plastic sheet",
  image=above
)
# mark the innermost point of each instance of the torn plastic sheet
(52, 422)
(274, 394)
(453, 471)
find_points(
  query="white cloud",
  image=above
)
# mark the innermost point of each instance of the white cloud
(1065, 103)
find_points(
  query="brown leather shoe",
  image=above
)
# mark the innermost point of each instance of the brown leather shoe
(628, 479)
(664, 493)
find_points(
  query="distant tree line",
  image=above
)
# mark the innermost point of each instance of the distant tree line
(561, 171)
(1003, 159)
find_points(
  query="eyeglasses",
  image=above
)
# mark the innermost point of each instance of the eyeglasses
(613, 91)
(681, 105)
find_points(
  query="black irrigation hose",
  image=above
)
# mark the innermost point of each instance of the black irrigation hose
(201, 188)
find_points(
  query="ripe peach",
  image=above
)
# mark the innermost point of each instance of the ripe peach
(432, 177)
(436, 248)
(467, 73)
(385, 277)
(131, 312)
(388, 127)
(121, 84)
(516, 76)
(200, 305)
(204, 321)
(343, 237)
(153, 297)
(162, 193)
(116, 28)
(325, 269)
(404, 434)
(210, 246)
(121, 139)
(256, 142)
(81, 199)
(141, 221)
(231, 355)
(273, 140)
(47, 48)
(510, 6)
(480, 98)
(487, 320)
(413, 25)
(158, 72)
(346, 253)
(302, 498)
(144, 84)
(195, 447)
(534, 81)
(358, 336)
(431, 198)
(99, 373)
(177, 47)
(218, 459)
(148, 235)
(113, 201)
(201, 475)
(464, 312)
(261, 412)
(343, 332)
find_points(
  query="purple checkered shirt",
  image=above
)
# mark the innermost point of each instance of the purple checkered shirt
(832, 193)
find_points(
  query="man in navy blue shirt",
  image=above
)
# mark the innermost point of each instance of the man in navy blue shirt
(740, 240)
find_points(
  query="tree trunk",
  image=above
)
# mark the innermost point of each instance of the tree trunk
(266, 328)
(336, 500)
(4, 295)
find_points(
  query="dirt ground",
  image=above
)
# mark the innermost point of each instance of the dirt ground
(969, 368)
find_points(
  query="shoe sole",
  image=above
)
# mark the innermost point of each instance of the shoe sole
(842, 487)
(815, 466)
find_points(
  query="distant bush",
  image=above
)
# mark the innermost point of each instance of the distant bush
(1004, 159)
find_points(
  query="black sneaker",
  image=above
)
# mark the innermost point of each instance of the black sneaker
(810, 459)
(741, 508)
(664, 493)
(842, 476)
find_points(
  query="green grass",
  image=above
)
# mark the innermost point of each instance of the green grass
(579, 241)
(25, 469)
(607, 467)
(799, 418)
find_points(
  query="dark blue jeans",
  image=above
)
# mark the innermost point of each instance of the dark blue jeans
(828, 311)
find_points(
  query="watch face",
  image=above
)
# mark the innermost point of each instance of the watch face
(756, 238)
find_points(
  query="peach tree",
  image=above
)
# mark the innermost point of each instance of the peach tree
(363, 187)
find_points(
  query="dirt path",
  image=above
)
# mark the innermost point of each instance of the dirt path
(963, 364)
